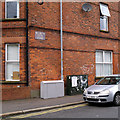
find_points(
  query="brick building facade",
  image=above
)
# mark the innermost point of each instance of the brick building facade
(84, 42)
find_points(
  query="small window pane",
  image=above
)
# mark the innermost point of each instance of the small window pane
(99, 56)
(12, 9)
(108, 56)
(104, 10)
(103, 23)
(99, 69)
(11, 68)
(12, 52)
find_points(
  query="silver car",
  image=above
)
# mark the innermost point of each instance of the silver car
(105, 90)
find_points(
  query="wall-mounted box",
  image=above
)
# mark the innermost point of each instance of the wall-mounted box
(52, 89)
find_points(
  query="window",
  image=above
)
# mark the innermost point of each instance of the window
(12, 62)
(103, 63)
(11, 9)
(104, 14)
(104, 23)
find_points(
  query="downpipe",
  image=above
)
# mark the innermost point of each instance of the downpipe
(27, 67)
(61, 34)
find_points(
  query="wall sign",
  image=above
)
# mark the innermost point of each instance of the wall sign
(39, 35)
(74, 81)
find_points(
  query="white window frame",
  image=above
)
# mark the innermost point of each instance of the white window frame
(11, 61)
(103, 63)
(18, 12)
(105, 15)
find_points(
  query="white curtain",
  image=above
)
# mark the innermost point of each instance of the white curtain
(99, 56)
(99, 69)
(12, 52)
(107, 56)
(107, 69)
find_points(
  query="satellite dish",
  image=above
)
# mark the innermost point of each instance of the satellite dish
(87, 7)
(40, 2)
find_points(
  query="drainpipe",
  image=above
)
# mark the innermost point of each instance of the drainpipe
(61, 34)
(27, 69)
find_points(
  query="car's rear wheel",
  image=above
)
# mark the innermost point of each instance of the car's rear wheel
(117, 99)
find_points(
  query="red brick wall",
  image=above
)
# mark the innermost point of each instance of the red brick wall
(79, 55)
(74, 18)
(15, 93)
(46, 15)
(79, 50)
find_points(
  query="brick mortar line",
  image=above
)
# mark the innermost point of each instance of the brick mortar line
(40, 109)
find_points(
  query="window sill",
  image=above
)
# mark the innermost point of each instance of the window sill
(104, 31)
(13, 82)
(12, 19)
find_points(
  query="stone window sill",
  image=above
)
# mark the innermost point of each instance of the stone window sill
(14, 19)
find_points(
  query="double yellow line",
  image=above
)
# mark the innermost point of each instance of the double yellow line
(48, 111)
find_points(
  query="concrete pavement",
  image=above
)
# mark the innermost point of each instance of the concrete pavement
(37, 104)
